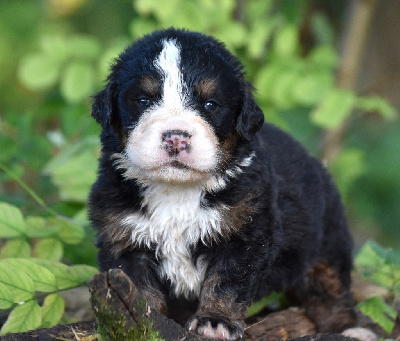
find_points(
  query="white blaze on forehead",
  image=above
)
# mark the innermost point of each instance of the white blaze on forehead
(168, 64)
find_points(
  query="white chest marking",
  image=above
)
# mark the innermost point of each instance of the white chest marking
(174, 221)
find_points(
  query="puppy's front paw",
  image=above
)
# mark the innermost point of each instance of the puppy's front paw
(361, 334)
(214, 328)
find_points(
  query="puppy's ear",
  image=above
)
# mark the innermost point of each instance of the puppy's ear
(103, 108)
(250, 119)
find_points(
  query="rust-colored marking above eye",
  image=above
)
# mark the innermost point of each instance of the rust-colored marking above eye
(206, 87)
(150, 85)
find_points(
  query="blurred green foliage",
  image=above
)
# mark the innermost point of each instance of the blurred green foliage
(381, 266)
(55, 54)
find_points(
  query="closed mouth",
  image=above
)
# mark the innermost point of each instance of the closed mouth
(177, 164)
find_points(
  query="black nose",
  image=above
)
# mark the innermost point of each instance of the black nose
(175, 141)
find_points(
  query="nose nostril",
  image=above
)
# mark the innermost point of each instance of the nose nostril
(176, 141)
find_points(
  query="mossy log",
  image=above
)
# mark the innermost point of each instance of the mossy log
(123, 315)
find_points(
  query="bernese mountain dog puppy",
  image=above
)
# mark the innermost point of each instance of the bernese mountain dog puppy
(198, 200)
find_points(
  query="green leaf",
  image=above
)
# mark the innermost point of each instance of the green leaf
(379, 250)
(6, 297)
(233, 34)
(368, 256)
(76, 179)
(273, 301)
(82, 273)
(52, 310)
(12, 222)
(69, 233)
(42, 278)
(145, 7)
(347, 167)
(74, 170)
(324, 56)
(380, 312)
(393, 257)
(59, 270)
(266, 77)
(312, 87)
(49, 248)
(38, 71)
(69, 277)
(37, 227)
(15, 248)
(378, 104)
(260, 33)
(286, 41)
(18, 282)
(281, 92)
(25, 317)
(77, 81)
(83, 46)
(110, 54)
(54, 46)
(334, 108)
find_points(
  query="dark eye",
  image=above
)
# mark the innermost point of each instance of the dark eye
(210, 105)
(145, 102)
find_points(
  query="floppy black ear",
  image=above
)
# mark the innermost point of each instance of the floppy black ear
(250, 119)
(103, 108)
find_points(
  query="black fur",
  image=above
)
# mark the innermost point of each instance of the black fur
(289, 230)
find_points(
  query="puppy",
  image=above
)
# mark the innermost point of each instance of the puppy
(198, 200)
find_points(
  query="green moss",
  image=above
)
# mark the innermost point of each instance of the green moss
(114, 327)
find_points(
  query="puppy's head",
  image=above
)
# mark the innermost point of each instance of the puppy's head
(178, 104)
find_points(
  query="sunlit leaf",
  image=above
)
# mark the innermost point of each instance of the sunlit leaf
(281, 91)
(18, 282)
(380, 312)
(377, 104)
(59, 270)
(6, 297)
(74, 171)
(110, 54)
(53, 45)
(273, 301)
(69, 276)
(367, 257)
(324, 56)
(145, 7)
(49, 248)
(52, 310)
(22, 318)
(83, 46)
(82, 273)
(70, 233)
(42, 278)
(15, 248)
(37, 227)
(141, 26)
(286, 41)
(265, 79)
(38, 71)
(77, 81)
(347, 167)
(260, 33)
(334, 108)
(12, 222)
(310, 88)
(393, 257)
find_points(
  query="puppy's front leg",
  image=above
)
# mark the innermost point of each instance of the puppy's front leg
(220, 315)
(140, 266)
